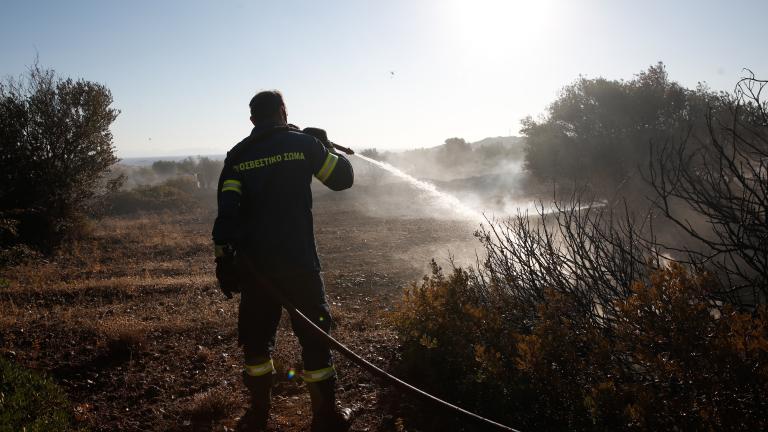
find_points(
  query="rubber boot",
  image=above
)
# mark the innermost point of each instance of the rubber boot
(326, 416)
(260, 388)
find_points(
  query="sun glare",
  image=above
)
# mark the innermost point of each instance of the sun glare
(491, 27)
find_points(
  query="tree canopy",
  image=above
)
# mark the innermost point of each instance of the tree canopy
(599, 131)
(55, 146)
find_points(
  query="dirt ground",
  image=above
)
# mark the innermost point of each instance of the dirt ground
(131, 322)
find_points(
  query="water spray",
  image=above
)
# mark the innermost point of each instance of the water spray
(451, 201)
(447, 199)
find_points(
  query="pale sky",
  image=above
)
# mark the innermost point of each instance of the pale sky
(390, 74)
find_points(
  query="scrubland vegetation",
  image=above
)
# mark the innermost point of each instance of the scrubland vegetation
(630, 315)
(637, 302)
(166, 185)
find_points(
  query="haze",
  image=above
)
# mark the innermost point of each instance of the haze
(391, 75)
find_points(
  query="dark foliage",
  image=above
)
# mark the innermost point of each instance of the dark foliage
(715, 190)
(55, 146)
(371, 153)
(31, 402)
(597, 133)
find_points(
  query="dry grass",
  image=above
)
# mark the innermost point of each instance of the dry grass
(122, 337)
(136, 283)
(155, 231)
(203, 354)
(142, 288)
(34, 277)
(211, 406)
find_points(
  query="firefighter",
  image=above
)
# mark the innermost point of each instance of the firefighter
(264, 234)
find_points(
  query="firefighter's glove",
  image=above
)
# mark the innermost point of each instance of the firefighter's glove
(226, 271)
(320, 134)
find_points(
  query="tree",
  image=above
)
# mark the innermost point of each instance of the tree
(371, 153)
(188, 165)
(598, 131)
(453, 152)
(164, 168)
(208, 171)
(55, 147)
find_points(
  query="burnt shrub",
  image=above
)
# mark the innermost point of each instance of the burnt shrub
(714, 192)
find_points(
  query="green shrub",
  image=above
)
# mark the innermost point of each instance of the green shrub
(31, 402)
(56, 149)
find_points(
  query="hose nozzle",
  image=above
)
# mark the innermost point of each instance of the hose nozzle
(346, 150)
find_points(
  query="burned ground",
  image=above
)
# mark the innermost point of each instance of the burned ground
(132, 325)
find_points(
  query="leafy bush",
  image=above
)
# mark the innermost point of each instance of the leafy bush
(55, 147)
(31, 402)
(9, 233)
(449, 326)
(671, 359)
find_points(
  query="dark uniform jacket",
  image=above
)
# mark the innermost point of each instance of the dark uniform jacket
(265, 201)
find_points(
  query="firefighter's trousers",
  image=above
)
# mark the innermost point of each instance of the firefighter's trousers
(260, 315)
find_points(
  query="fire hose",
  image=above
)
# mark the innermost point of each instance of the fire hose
(374, 370)
(346, 150)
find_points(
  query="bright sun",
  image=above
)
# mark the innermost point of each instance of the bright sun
(487, 27)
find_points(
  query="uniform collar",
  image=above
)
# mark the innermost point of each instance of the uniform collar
(264, 127)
